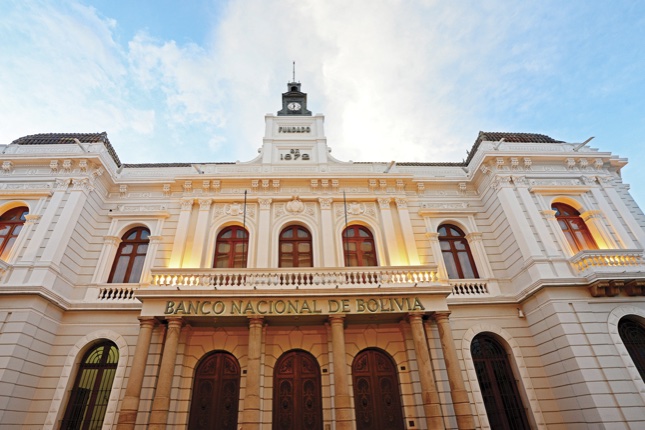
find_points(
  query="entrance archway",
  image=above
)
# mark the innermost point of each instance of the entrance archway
(297, 396)
(216, 393)
(376, 392)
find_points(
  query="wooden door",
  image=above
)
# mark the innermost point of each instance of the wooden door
(376, 392)
(216, 393)
(297, 403)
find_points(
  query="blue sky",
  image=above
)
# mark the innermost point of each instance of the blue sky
(403, 80)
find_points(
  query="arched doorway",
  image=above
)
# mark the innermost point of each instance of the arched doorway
(216, 393)
(501, 395)
(297, 403)
(376, 392)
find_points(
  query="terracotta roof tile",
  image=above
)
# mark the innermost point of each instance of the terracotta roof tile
(66, 139)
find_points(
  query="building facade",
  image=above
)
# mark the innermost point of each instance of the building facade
(298, 291)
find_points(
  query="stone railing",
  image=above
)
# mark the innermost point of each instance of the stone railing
(609, 260)
(117, 293)
(334, 277)
(469, 288)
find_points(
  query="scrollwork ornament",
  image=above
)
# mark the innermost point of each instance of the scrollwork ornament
(520, 181)
(82, 184)
(61, 184)
(234, 209)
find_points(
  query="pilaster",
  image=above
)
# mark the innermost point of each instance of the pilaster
(408, 233)
(179, 244)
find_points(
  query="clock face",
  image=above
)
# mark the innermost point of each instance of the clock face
(293, 106)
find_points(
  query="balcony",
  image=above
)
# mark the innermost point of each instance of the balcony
(613, 263)
(295, 278)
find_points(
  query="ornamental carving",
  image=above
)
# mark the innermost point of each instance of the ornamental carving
(384, 202)
(31, 219)
(140, 208)
(67, 165)
(295, 206)
(82, 184)
(7, 167)
(112, 240)
(186, 205)
(265, 203)
(53, 165)
(451, 206)
(401, 203)
(598, 164)
(234, 209)
(82, 164)
(548, 214)
(61, 184)
(501, 182)
(325, 202)
(166, 190)
(520, 180)
(123, 190)
(188, 186)
(355, 208)
(205, 204)
(527, 163)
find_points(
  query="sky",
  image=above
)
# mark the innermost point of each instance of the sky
(416, 80)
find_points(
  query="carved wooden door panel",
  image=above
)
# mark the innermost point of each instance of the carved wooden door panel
(216, 393)
(297, 397)
(376, 392)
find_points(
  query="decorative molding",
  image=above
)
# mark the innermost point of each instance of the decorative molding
(204, 204)
(67, 166)
(501, 182)
(384, 202)
(53, 165)
(520, 180)
(111, 240)
(7, 167)
(123, 191)
(82, 184)
(166, 190)
(31, 219)
(265, 203)
(187, 204)
(325, 202)
(82, 165)
(548, 214)
(401, 203)
(188, 187)
(295, 206)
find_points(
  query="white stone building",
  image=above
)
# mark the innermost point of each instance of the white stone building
(297, 291)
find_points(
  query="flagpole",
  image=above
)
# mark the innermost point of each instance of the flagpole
(245, 232)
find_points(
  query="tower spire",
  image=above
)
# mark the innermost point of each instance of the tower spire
(294, 72)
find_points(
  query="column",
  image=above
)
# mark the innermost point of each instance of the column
(517, 221)
(130, 405)
(201, 232)
(264, 233)
(179, 244)
(328, 240)
(59, 239)
(458, 391)
(533, 212)
(342, 399)
(45, 221)
(251, 414)
(435, 246)
(621, 207)
(161, 401)
(391, 242)
(408, 233)
(431, 403)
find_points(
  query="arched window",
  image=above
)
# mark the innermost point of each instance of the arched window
(231, 248)
(11, 223)
(130, 256)
(456, 253)
(295, 247)
(502, 399)
(91, 392)
(358, 246)
(632, 334)
(573, 227)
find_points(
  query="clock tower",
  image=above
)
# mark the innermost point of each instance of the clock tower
(294, 101)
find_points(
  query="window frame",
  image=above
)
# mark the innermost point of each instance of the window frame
(234, 240)
(359, 240)
(635, 350)
(569, 233)
(90, 403)
(451, 240)
(5, 246)
(295, 240)
(136, 243)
